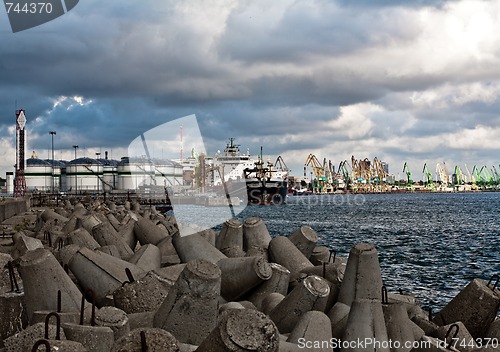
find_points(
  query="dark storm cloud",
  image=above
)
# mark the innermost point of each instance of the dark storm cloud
(305, 30)
(268, 73)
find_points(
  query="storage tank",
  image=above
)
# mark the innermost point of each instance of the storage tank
(38, 174)
(135, 173)
(84, 175)
(109, 174)
(168, 173)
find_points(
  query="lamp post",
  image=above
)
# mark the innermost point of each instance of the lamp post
(76, 172)
(52, 133)
(98, 179)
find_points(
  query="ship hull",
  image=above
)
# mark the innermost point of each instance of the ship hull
(262, 192)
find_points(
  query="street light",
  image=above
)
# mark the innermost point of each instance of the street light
(98, 178)
(76, 172)
(52, 133)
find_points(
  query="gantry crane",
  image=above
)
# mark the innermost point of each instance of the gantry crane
(319, 173)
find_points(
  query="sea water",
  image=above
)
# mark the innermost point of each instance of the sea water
(431, 245)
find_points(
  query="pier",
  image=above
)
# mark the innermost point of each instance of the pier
(125, 272)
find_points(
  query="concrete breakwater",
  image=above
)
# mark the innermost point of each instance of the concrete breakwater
(110, 277)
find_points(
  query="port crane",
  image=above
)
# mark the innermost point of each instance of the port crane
(319, 172)
(379, 174)
(442, 173)
(428, 178)
(471, 178)
(343, 169)
(497, 176)
(407, 171)
(459, 176)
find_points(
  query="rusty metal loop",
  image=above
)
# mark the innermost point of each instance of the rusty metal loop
(12, 277)
(88, 292)
(457, 328)
(58, 325)
(144, 345)
(496, 281)
(39, 343)
(60, 243)
(129, 276)
(385, 299)
(333, 253)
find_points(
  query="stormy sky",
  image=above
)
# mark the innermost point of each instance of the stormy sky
(403, 81)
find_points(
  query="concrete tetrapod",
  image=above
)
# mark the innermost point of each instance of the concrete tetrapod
(194, 246)
(147, 339)
(240, 275)
(106, 235)
(101, 272)
(147, 232)
(313, 327)
(476, 306)
(366, 324)
(284, 252)
(311, 294)
(305, 239)
(230, 238)
(277, 283)
(42, 277)
(242, 330)
(190, 310)
(399, 326)
(255, 234)
(362, 279)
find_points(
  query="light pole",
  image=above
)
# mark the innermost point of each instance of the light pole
(76, 172)
(98, 179)
(52, 133)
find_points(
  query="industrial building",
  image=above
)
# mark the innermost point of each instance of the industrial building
(85, 175)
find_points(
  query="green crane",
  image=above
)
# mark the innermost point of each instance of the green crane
(409, 181)
(477, 175)
(497, 176)
(428, 178)
(345, 172)
(488, 179)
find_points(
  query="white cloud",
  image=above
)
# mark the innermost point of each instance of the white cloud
(354, 121)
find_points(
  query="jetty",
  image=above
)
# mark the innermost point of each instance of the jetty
(108, 276)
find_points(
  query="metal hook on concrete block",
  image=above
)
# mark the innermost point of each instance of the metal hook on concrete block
(60, 243)
(58, 325)
(144, 345)
(385, 299)
(457, 328)
(496, 281)
(59, 298)
(333, 253)
(39, 343)
(129, 276)
(12, 277)
(88, 292)
(47, 237)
